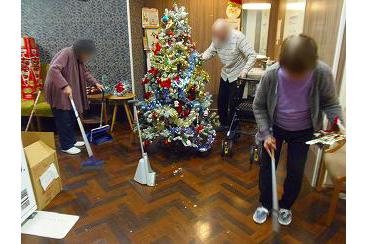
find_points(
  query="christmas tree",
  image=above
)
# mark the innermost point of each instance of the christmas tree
(176, 106)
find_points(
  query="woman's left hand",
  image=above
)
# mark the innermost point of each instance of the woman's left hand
(100, 87)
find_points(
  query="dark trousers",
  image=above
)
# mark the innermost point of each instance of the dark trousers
(296, 157)
(226, 99)
(65, 123)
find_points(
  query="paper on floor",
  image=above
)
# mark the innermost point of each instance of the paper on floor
(49, 224)
(48, 176)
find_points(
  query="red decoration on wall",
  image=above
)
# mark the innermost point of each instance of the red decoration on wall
(31, 79)
(236, 2)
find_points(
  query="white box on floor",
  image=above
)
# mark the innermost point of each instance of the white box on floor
(28, 201)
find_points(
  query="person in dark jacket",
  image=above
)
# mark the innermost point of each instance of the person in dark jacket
(288, 106)
(68, 76)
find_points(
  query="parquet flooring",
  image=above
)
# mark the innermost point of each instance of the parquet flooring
(199, 198)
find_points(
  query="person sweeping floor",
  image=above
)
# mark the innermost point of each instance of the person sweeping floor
(68, 76)
(288, 106)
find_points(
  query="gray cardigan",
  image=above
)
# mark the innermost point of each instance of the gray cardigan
(323, 98)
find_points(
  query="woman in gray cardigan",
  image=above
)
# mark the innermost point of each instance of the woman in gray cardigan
(288, 107)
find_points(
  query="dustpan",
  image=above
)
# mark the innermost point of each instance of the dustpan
(144, 173)
(100, 134)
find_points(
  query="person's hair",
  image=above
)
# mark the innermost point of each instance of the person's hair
(84, 46)
(220, 24)
(299, 53)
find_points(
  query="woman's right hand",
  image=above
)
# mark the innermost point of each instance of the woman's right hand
(67, 90)
(270, 144)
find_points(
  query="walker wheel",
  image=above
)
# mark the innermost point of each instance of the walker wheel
(226, 147)
(254, 154)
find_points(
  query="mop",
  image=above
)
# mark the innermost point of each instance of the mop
(144, 173)
(91, 161)
(33, 109)
(275, 200)
(100, 134)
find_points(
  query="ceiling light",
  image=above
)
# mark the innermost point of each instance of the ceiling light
(295, 6)
(256, 6)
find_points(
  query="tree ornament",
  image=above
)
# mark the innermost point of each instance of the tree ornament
(157, 48)
(147, 95)
(153, 71)
(199, 129)
(166, 83)
(179, 109)
(154, 115)
(165, 18)
(186, 112)
(145, 81)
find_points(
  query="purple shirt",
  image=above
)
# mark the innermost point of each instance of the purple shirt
(293, 111)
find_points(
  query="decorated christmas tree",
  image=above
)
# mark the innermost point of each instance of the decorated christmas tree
(176, 107)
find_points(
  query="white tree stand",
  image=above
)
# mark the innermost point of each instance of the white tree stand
(144, 173)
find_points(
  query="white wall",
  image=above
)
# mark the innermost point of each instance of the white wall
(343, 94)
(250, 28)
(294, 17)
(264, 31)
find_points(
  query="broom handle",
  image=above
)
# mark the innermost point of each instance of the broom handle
(138, 128)
(86, 142)
(33, 109)
(275, 201)
(102, 106)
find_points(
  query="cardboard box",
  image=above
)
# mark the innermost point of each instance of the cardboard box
(39, 148)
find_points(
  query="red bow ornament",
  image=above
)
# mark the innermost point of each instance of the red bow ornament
(199, 129)
(119, 87)
(166, 83)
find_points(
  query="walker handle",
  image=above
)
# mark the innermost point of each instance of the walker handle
(134, 101)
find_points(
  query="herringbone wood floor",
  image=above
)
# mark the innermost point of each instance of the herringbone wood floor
(198, 199)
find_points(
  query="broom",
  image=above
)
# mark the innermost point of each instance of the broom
(33, 109)
(91, 161)
(275, 201)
